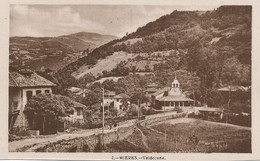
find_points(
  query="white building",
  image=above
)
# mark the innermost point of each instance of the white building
(118, 101)
(170, 98)
(22, 86)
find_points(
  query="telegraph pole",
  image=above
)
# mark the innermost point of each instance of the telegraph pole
(164, 111)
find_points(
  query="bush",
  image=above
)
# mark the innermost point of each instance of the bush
(84, 125)
(19, 131)
(99, 147)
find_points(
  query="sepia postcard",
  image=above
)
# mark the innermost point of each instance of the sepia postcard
(130, 80)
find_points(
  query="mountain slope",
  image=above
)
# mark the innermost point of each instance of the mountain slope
(218, 44)
(28, 50)
(93, 38)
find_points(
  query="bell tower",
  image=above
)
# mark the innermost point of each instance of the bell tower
(175, 83)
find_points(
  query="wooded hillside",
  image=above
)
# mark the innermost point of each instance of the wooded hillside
(218, 45)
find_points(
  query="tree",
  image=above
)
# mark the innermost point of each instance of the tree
(46, 110)
(147, 68)
(109, 84)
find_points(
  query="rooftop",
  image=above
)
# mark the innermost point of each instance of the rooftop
(151, 90)
(28, 80)
(174, 98)
(152, 85)
(121, 95)
(77, 104)
(160, 91)
(233, 88)
(109, 93)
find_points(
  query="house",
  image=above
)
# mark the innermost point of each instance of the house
(111, 100)
(234, 88)
(170, 98)
(77, 114)
(237, 98)
(119, 101)
(79, 91)
(108, 98)
(22, 86)
(151, 88)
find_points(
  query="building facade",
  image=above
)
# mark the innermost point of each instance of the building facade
(78, 112)
(151, 89)
(109, 99)
(119, 101)
(22, 86)
(170, 98)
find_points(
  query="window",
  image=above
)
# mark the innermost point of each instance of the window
(28, 95)
(78, 112)
(47, 91)
(14, 105)
(38, 91)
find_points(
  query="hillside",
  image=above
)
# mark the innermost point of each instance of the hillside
(35, 52)
(107, 64)
(225, 30)
(214, 46)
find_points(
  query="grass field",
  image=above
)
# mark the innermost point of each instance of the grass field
(196, 136)
(202, 136)
(107, 64)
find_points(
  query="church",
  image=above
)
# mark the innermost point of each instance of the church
(170, 98)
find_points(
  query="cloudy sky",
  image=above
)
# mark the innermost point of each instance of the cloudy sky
(56, 20)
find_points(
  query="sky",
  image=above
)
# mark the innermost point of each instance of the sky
(56, 20)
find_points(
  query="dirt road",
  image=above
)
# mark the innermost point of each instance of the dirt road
(34, 143)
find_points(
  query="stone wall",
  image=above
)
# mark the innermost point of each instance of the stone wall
(89, 143)
(163, 118)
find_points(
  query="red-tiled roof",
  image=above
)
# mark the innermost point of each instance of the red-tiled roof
(34, 80)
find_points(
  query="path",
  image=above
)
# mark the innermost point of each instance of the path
(35, 143)
(144, 139)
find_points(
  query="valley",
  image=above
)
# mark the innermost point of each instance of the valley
(53, 52)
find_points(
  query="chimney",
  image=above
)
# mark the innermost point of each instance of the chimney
(25, 72)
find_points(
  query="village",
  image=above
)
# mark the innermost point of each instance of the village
(114, 110)
(174, 81)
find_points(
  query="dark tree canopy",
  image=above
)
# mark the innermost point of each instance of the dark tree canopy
(49, 105)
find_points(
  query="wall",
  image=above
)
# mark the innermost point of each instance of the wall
(163, 118)
(117, 104)
(75, 117)
(108, 100)
(16, 95)
(21, 122)
(33, 93)
(91, 142)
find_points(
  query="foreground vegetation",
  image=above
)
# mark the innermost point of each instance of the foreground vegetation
(195, 136)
